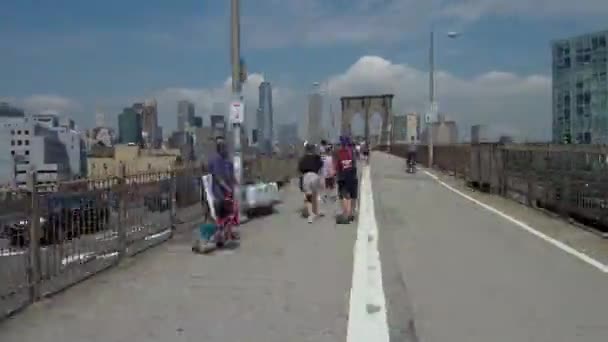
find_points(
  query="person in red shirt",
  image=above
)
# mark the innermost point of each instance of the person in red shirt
(346, 169)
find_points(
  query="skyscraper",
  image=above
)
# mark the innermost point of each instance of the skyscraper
(315, 107)
(580, 89)
(197, 122)
(259, 125)
(150, 124)
(100, 120)
(288, 134)
(129, 127)
(218, 126)
(185, 114)
(265, 118)
(412, 127)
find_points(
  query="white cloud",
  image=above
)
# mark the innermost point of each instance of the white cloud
(48, 103)
(514, 104)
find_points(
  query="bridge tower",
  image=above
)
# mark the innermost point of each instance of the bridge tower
(368, 106)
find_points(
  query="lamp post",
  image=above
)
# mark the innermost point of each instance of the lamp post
(238, 77)
(433, 106)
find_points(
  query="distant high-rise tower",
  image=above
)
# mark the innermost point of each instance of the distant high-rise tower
(150, 124)
(129, 126)
(185, 114)
(218, 126)
(100, 120)
(580, 89)
(265, 118)
(315, 117)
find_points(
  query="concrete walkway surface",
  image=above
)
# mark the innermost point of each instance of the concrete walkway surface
(288, 281)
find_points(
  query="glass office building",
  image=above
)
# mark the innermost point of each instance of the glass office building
(580, 89)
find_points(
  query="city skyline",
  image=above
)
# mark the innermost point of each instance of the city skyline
(503, 53)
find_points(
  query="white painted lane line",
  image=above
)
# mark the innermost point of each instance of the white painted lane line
(580, 255)
(367, 318)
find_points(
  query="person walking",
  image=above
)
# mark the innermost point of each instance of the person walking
(309, 166)
(223, 181)
(365, 152)
(346, 168)
(328, 174)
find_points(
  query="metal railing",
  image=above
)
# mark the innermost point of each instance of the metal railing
(570, 180)
(52, 240)
(49, 241)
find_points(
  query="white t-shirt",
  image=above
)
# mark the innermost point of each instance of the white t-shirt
(328, 167)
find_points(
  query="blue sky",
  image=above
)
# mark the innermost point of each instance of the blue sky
(75, 56)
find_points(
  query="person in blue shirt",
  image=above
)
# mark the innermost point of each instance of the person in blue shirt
(222, 170)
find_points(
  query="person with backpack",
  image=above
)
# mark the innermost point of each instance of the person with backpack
(346, 170)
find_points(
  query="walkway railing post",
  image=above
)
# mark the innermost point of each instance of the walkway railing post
(173, 197)
(123, 191)
(33, 270)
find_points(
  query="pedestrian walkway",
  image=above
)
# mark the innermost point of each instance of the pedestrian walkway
(427, 260)
(288, 281)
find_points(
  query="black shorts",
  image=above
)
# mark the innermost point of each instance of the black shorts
(347, 188)
(330, 182)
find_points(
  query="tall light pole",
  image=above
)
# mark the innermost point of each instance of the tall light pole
(237, 78)
(433, 107)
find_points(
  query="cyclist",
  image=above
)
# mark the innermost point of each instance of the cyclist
(411, 153)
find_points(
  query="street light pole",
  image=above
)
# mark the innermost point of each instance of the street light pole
(235, 59)
(433, 108)
(431, 99)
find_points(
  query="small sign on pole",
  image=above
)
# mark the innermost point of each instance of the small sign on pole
(431, 115)
(237, 112)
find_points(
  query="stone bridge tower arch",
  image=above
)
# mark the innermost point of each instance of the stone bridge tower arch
(367, 106)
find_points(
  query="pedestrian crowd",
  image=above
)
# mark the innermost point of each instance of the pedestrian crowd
(327, 174)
